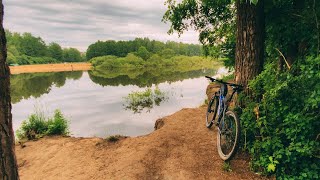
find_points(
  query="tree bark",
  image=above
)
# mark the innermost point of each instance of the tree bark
(250, 42)
(8, 163)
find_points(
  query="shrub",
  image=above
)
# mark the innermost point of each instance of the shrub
(58, 125)
(34, 127)
(281, 132)
(37, 125)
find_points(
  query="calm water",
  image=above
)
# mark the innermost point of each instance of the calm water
(95, 105)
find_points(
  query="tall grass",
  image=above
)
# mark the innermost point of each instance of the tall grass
(38, 125)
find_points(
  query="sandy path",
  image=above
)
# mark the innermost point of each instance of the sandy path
(50, 68)
(182, 149)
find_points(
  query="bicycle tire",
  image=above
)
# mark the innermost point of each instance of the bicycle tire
(212, 111)
(223, 129)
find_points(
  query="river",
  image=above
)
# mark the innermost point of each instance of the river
(98, 105)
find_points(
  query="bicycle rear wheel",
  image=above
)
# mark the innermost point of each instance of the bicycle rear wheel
(212, 111)
(228, 135)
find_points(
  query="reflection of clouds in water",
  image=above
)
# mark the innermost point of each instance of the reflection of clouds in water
(96, 110)
(223, 71)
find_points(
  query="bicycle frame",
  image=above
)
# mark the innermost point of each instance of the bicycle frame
(223, 104)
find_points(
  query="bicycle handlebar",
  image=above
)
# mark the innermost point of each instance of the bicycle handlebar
(222, 82)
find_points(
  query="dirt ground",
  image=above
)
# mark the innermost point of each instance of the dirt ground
(50, 68)
(183, 148)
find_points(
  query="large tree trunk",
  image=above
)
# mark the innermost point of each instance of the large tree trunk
(8, 163)
(250, 41)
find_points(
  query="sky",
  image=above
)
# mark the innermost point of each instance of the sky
(79, 23)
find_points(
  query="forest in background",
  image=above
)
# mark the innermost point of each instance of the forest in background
(27, 49)
(142, 47)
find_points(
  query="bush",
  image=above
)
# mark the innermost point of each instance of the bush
(37, 126)
(282, 131)
(24, 60)
(58, 125)
(131, 61)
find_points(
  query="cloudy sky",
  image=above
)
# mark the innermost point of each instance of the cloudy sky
(79, 23)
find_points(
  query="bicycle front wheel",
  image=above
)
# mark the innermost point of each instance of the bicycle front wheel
(212, 111)
(228, 135)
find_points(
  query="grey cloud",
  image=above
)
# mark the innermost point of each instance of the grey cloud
(78, 23)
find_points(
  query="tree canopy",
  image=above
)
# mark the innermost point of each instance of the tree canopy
(122, 48)
(280, 122)
(291, 26)
(28, 49)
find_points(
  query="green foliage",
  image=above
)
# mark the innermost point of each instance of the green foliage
(55, 51)
(111, 70)
(122, 48)
(58, 125)
(24, 59)
(148, 76)
(32, 46)
(28, 49)
(292, 27)
(167, 53)
(215, 20)
(143, 53)
(137, 101)
(226, 166)
(228, 77)
(115, 138)
(24, 86)
(155, 58)
(71, 55)
(132, 62)
(281, 131)
(38, 125)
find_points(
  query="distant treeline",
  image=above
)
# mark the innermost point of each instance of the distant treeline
(28, 49)
(142, 47)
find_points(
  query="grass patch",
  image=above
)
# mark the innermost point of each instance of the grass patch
(38, 125)
(228, 77)
(226, 167)
(115, 138)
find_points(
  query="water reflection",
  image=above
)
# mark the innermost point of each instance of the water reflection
(24, 86)
(145, 77)
(94, 102)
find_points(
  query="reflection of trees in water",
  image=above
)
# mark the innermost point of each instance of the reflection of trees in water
(24, 86)
(145, 77)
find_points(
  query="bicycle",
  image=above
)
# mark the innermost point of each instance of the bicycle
(228, 122)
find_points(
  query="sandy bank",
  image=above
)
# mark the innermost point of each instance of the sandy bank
(50, 68)
(183, 148)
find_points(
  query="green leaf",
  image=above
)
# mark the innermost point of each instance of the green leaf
(271, 167)
(255, 2)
